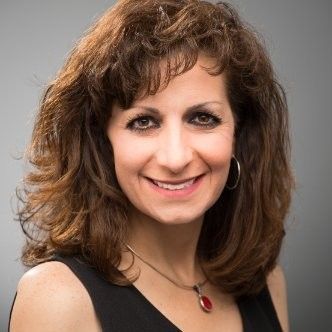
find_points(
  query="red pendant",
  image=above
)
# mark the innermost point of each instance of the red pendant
(205, 303)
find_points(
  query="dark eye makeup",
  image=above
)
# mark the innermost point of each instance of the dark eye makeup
(202, 119)
(142, 122)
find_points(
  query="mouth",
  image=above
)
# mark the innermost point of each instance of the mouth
(175, 185)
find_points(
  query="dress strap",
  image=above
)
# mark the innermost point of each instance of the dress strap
(258, 312)
(118, 308)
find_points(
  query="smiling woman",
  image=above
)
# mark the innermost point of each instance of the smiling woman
(172, 161)
(160, 180)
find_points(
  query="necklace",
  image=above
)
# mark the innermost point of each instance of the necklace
(204, 301)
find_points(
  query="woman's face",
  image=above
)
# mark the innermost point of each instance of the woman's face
(172, 150)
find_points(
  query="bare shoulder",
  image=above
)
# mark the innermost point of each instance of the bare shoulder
(51, 298)
(276, 282)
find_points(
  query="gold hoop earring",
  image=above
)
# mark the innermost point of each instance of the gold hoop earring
(238, 170)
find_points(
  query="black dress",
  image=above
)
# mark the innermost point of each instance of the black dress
(125, 309)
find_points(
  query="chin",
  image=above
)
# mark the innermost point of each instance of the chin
(177, 219)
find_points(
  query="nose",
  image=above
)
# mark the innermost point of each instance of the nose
(174, 151)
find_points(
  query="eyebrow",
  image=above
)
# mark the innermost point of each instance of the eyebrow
(192, 108)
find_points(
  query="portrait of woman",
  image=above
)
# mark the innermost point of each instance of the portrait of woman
(160, 179)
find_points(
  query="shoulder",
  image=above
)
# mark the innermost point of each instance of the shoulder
(51, 298)
(276, 283)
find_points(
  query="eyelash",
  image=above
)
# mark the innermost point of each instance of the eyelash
(215, 118)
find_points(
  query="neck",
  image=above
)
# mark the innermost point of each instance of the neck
(171, 249)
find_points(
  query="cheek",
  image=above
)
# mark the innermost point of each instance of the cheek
(129, 154)
(216, 150)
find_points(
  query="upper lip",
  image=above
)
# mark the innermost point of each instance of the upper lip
(174, 181)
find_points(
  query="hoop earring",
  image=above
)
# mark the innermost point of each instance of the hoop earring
(238, 169)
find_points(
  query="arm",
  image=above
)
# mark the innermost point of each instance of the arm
(277, 286)
(51, 298)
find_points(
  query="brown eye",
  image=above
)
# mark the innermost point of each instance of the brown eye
(205, 119)
(142, 123)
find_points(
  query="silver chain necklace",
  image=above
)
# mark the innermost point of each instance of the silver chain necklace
(204, 301)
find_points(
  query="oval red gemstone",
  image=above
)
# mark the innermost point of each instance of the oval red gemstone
(206, 303)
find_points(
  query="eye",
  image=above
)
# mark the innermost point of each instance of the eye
(205, 119)
(142, 123)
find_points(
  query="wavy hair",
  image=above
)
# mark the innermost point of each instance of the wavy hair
(71, 202)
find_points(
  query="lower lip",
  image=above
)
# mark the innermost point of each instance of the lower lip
(179, 192)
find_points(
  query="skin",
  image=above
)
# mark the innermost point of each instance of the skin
(177, 146)
(50, 298)
(163, 229)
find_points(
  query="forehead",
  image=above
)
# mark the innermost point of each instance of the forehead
(196, 85)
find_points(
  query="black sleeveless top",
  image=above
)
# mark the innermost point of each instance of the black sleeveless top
(125, 309)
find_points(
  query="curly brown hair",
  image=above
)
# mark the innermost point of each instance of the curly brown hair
(72, 202)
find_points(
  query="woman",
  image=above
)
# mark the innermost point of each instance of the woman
(160, 180)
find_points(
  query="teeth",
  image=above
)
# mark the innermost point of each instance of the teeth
(174, 186)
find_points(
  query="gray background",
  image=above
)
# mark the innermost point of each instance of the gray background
(35, 37)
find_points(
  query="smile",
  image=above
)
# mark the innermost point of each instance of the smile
(171, 186)
(176, 189)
